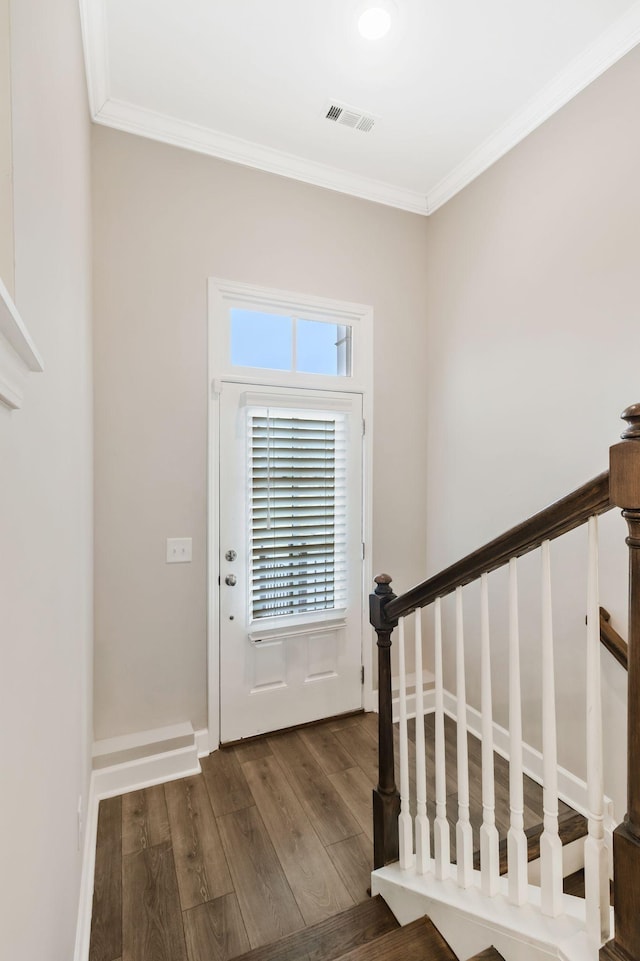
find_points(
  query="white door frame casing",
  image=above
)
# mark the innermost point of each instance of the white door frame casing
(222, 295)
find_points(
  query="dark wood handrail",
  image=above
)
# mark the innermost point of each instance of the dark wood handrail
(618, 487)
(610, 638)
(560, 517)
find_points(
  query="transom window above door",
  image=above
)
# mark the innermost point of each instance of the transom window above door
(277, 337)
(280, 342)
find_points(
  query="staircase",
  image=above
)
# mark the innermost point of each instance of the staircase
(472, 894)
(367, 932)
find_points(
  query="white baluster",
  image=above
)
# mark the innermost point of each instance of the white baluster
(464, 834)
(422, 822)
(550, 844)
(516, 838)
(596, 873)
(405, 824)
(489, 840)
(441, 841)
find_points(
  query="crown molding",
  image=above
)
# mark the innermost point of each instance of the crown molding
(179, 133)
(607, 49)
(610, 46)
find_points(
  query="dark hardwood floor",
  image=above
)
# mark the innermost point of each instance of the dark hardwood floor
(273, 836)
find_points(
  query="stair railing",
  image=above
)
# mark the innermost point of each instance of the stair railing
(399, 837)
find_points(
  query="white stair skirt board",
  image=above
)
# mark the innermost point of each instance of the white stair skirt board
(470, 922)
(428, 684)
(571, 789)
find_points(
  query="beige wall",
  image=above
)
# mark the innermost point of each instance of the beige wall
(165, 220)
(45, 496)
(534, 346)
(6, 187)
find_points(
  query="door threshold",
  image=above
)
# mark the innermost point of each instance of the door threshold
(294, 727)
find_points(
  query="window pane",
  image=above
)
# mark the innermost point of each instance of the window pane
(260, 340)
(323, 348)
(297, 465)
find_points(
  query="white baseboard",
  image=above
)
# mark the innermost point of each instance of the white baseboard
(203, 745)
(132, 747)
(116, 779)
(145, 772)
(83, 927)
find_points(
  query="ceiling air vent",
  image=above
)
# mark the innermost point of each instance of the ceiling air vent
(349, 117)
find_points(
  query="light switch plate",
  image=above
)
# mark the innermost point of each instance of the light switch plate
(178, 550)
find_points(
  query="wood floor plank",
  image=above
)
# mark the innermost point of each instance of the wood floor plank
(328, 940)
(215, 931)
(144, 819)
(327, 749)
(353, 860)
(289, 748)
(152, 916)
(268, 907)
(369, 723)
(340, 723)
(106, 917)
(363, 748)
(252, 750)
(315, 883)
(356, 790)
(323, 805)
(201, 866)
(228, 790)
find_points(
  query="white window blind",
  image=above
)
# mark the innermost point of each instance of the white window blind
(297, 470)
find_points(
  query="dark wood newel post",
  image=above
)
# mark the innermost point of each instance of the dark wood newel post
(386, 799)
(625, 493)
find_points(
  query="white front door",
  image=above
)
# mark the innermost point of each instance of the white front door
(290, 557)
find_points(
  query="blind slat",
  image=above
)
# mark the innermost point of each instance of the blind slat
(298, 513)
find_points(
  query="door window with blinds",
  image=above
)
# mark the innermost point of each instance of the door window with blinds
(297, 503)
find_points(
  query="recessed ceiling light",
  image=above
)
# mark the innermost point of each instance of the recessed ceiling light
(374, 23)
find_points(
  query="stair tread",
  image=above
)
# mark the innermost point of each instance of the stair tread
(489, 954)
(418, 941)
(329, 939)
(571, 827)
(574, 884)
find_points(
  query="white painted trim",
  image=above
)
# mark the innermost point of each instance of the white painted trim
(96, 54)
(214, 143)
(145, 772)
(126, 742)
(83, 926)
(202, 742)
(470, 922)
(18, 353)
(607, 49)
(571, 789)
(111, 782)
(360, 317)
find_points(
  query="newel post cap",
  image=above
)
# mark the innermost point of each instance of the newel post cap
(624, 463)
(378, 601)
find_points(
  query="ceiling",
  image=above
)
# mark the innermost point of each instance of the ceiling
(454, 85)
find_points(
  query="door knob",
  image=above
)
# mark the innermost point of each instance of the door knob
(230, 580)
